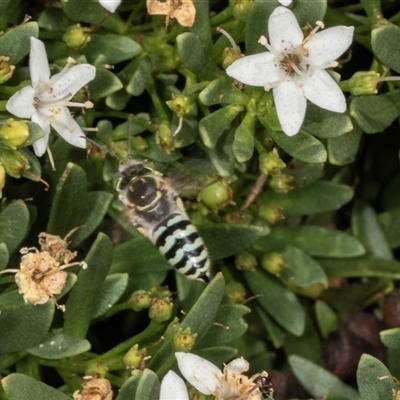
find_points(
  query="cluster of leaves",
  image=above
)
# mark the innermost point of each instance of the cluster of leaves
(332, 214)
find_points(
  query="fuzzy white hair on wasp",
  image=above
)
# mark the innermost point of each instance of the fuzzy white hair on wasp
(155, 209)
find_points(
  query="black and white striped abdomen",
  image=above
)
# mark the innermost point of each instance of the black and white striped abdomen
(177, 239)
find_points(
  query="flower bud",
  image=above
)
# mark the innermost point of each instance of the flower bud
(160, 292)
(2, 178)
(14, 162)
(271, 213)
(6, 70)
(179, 104)
(362, 82)
(281, 183)
(76, 36)
(138, 143)
(160, 310)
(14, 133)
(241, 9)
(164, 137)
(99, 370)
(215, 195)
(140, 299)
(230, 55)
(245, 261)
(184, 340)
(134, 358)
(235, 292)
(273, 263)
(270, 163)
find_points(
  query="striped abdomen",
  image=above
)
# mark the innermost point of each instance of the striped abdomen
(177, 239)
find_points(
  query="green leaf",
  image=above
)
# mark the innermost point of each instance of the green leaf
(22, 387)
(304, 271)
(104, 84)
(327, 319)
(4, 256)
(109, 293)
(14, 223)
(110, 48)
(276, 334)
(318, 241)
(23, 325)
(221, 91)
(85, 292)
(213, 126)
(129, 387)
(318, 381)
(195, 58)
(55, 346)
(391, 338)
(362, 267)
(225, 240)
(390, 223)
(222, 157)
(311, 199)
(35, 133)
(243, 144)
(366, 228)
(370, 386)
(325, 124)
(148, 387)
(375, 113)
(385, 42)
(302, 146)
(231, 317)
(309, 13)
(280, 302)
(342, 150)
(143, 68)
(20, 34)
(201, 27)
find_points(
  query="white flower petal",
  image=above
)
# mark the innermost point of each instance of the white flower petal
(290, 105)
(68, 128)
(110, 5)
(255, 70)
(21, 103)
(41, 144)
(238, 366)
(326, 46)
(284, 30)
(67, 83)
(321, 89)
(285, 2)
(38, 64)
(173, 387)
(200, 373)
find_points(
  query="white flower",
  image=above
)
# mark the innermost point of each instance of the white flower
(110, 5)
(285, 2)
(294, 68)
(173, 387)
(46, 101)
(210, 380)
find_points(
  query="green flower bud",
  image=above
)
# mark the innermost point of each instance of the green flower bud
(76, 36)
(160, 310)
(184, 340)
(270, 163)
(271, 213)
(134, 358)
(281, 183)
(245, 261)
(2, 178)
(6, 70)
(235, 292)
(179, 104)
(160, 292)
(96, 370)
(164, 137)
(273, 263)
(138, 143)
(362, 82)
(241, 9)
(140, 299)
(230, 55)
(215, 195)
(14, 133)
(14, 162)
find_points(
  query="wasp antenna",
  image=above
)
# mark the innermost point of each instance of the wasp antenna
(128, 137)
(108, 151)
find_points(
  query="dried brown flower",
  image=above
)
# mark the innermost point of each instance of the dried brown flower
(94, 388)
(183, 10)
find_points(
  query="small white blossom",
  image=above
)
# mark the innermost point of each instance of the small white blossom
(173, 387)
(294, 68)
(110, 5)
(285, 2)
(210, 380)
(46, 101)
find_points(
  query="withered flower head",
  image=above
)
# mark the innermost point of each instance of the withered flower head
(94, 388)
(183, 10)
